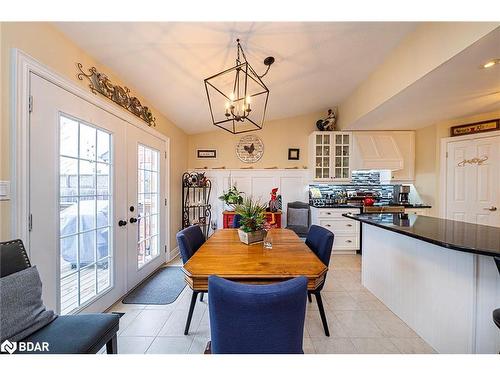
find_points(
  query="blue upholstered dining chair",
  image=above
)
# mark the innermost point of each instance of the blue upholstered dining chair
(257, 319)
(190, 240)
(237, 221)
(320, 241)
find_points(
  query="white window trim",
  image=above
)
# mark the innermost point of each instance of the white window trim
(22, 65)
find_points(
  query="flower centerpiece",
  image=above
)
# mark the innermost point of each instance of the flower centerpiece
(231, 198)
(253, 218)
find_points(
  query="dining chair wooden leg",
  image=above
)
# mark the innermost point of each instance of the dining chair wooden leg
(190, 313)
(201, 296)
(322, 313)
(309, 297)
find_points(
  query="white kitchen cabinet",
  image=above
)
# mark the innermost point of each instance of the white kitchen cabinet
(346, 231)
(330, 156)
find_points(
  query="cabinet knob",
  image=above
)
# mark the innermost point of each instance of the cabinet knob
(328, 213)
(327, 225)
(348, 241)
(349, 225)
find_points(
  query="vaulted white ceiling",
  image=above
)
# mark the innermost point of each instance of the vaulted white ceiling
(317, 64)
(460, 87)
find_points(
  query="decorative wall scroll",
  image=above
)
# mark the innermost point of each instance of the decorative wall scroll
(100, 83)
(477, 127)
(476, 160)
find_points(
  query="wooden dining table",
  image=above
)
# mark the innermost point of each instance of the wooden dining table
(224, 255)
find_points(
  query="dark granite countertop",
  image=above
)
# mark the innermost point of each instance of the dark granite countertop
(410, 205)
(347, 205)
(456, 235)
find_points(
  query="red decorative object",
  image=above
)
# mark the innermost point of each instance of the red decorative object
(228, 217)
(368, 201)
(273, 203)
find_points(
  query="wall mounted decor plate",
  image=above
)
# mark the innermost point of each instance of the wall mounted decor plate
(250, 149)
(206, 153)
(477, 127)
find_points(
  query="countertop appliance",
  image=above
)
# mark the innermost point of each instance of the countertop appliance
(402, 194)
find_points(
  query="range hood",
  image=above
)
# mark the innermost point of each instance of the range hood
(377, 151)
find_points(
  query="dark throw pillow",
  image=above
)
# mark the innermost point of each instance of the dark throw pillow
(22, 311)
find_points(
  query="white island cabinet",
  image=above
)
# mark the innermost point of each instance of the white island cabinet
(438, 276)
(346, 231)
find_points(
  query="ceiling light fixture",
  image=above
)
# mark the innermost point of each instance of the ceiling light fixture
(491, 63)
(237, 97)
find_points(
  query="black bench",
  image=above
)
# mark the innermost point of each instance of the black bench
(69, 334)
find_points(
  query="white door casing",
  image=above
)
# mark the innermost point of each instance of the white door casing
(24, 67)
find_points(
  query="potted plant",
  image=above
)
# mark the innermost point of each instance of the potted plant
(231, 198)
(252, 220)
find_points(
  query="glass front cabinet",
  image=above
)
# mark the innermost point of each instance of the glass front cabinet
(330, 155)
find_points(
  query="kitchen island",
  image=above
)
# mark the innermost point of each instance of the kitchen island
(437, 275)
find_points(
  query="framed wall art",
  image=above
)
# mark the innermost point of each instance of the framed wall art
(202, 153)
(477, 127)
(293, 153)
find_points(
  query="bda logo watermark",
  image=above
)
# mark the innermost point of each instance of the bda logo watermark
(10, 347)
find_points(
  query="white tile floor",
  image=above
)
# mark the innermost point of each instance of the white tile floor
(358, 322)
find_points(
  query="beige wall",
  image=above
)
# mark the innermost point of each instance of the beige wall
(278, 136)
(430, 45)
(428, 154)
(50, 47)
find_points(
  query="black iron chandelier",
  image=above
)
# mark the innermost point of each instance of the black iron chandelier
(237, 97)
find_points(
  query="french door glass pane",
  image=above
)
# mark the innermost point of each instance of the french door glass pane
(148, 198)
(85, 171)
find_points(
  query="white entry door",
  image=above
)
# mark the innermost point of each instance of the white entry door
(147, 159)
(92, 175)
(473, 180)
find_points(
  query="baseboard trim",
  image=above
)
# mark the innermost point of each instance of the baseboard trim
(174, 253)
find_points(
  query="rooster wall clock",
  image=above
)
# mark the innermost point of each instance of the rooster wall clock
(250, 149)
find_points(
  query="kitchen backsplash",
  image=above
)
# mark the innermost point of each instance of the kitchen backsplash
(385, 192)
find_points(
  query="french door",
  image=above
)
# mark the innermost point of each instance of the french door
(84, 201)
(146, 197)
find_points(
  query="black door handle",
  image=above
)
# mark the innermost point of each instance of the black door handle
(133, 220)
(122, 223)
